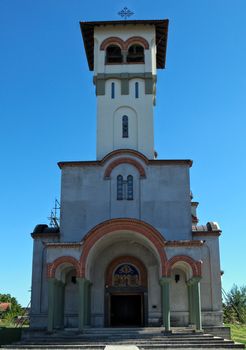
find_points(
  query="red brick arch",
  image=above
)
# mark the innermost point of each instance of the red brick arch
(136, 40)
(124, 160)
(124, 45)
(114, 226)
(118, 152)
(111, 41)
(126, 259)
(195, 265)
(51, 268)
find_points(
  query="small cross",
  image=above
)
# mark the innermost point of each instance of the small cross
(125, 13)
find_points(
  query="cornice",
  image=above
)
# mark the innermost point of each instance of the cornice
(120, 152)
(206, 233)
(45, 235)
(63, 244)
(184, 243)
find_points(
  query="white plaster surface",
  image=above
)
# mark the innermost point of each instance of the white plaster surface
(139, 110)
(101, 33)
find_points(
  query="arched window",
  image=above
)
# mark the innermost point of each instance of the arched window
(130, 187)
(112, 90)
(119, 187)
(113, 54)
(135, 54)
(126, 275)
(136, 90)
(125, 126)
(125, 188)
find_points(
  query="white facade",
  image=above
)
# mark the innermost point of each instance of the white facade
(128, 230)
(138, 109)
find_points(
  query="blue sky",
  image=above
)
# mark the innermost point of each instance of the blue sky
(47, 110)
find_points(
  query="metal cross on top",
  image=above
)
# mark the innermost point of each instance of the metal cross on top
(125, 13)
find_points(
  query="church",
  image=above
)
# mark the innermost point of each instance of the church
(128, 251)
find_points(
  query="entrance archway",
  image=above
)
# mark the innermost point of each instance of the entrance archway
(126, 293)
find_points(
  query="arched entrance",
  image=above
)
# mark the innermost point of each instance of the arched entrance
(126, 298)
(117, 239)
(185, 275)
(63, 293)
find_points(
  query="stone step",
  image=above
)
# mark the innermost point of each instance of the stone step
(141, 347)
(145, 345)
(129, 339)
(149, 339)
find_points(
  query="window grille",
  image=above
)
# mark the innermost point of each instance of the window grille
(124, 187)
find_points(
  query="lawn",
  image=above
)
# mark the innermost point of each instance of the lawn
(238, 333)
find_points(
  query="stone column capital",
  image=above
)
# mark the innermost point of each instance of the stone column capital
(193, 280)
(165, 280)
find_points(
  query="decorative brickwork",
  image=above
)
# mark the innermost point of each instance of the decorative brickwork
(112, 41)
(195, 265)
(124, 160)
(51, 268)
(124, 45)
(126, 259)
(115, 225)
(136, 40)
(124, 151)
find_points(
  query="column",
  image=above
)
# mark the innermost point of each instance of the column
(165, 282)
(81, 313)
(59, 305)
(197, 304)
(51, 303)
(87, 302)
(196, 317)
(190, 297)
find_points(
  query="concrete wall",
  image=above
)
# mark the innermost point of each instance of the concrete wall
(162, 199)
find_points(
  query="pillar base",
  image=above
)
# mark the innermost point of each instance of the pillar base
(166, 332)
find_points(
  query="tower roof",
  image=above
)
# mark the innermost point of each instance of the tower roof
(161, 29)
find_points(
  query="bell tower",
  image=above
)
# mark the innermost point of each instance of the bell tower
(124, 57)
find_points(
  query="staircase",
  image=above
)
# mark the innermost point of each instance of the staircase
(115, 338)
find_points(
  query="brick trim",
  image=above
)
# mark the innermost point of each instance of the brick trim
(195, 265)
(132, 152)
(51, 267)
(126, 259)
(112, 40)
(115, 225)
(124, 45)
(136, 40)
(124, 160)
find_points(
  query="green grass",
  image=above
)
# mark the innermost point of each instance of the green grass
(238, 333)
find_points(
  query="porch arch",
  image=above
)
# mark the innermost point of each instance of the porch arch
(194, 265)
(114, 226)
(63, 260)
